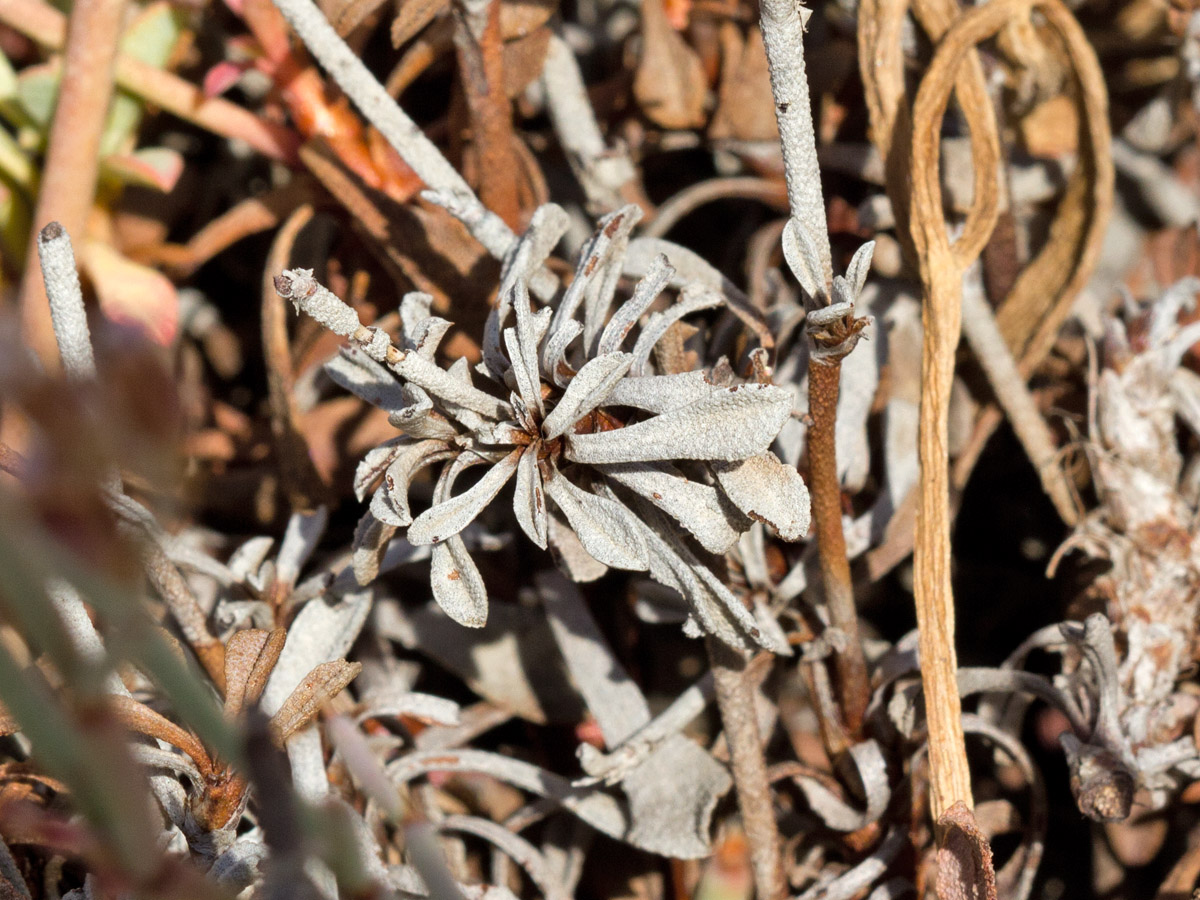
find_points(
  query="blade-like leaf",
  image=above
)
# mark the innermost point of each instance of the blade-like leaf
(767, 491)
(731, 424)
(400, 473)
(320, 686)
(457, 585)
(587, 390)
(451, 516)
(632, 309)
(529, 502)
(603, 526)
(695, 506)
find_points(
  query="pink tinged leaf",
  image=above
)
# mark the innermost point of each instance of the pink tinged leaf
(587, 390)
(132, 294)
(695, 506)
(964, 859)
(222, 77)
(320, 686)
(767, 491)
(157, 168)
(451, 516)
(632, 309)
(529, 501)
(730, 424)
(606, 529)
(457, 585)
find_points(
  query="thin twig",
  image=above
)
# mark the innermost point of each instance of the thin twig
(393, 123)
(735, 698)
(72, 164)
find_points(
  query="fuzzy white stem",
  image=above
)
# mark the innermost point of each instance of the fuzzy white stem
(783, 35)
(393, 123)
(66, 303)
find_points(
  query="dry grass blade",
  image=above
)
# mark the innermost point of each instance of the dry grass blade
(320, 686)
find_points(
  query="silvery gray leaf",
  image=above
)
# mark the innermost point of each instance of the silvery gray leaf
(570, 554)
(555, 352)
(457, 585)
(428, 334)
(547, 225)
(425, 707)
(529, 501)
(606, 529)
(661, 393)
(300, 539)
(767, 491)
(372, 466)
(438, 383)
(320, 633)
(249, 557)
(691, 299)
(836, 813)
(450, 516)
(516, 847)
(611, 234)
(596, 808)
(631, 310)
(238, 867)
(418, 419)
(587, 390)
(730, 424)
(859, 268)
(383, 508)
(694, 505)
(415, 308)
(354, 371)
(803, 258)
(530, 330)
(529, 387)
(371, 539)
(398, 478)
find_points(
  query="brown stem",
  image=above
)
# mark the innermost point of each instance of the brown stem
(481, 63)
(735, 698)
(68, 184)
(853, 685)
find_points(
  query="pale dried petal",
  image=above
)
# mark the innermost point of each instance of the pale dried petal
(603, 526)
(529, 502)
(731, 424)
(767, 491)
(627, 315)
(320, 686)
(695, 506)
(587, 390)
(457, 585)
(451, 516)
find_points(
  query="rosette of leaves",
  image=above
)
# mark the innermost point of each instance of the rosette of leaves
(619, 458)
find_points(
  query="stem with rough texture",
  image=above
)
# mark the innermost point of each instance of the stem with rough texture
(735, 698)
(72, 166)
(853, 685)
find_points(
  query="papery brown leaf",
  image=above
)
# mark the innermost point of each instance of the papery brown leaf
(250, 657)
(412, 16)
(142, 719)
(745, 111)
(669, 85)
(964, 859)
(320, 686)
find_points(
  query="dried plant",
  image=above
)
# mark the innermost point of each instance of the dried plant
(618, 445)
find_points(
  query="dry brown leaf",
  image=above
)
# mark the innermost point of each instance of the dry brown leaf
(744, 107)
(250, 656)
(142, 719)
(320, 686)
(669, 85)
(414, 15)
(964, 859)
